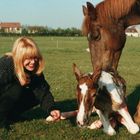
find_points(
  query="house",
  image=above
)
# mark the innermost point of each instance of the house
(10, 27)
(132, 31)
(35, 29)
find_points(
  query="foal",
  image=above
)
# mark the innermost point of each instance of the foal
(104, 91)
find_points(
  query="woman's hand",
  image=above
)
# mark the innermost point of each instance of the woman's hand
(55, 114)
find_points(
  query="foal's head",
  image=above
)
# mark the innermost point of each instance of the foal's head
(86, 92)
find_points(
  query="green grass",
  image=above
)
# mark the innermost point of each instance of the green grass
(60, 53)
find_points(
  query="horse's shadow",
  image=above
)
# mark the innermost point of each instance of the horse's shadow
(68, 105)
(38, 113)
(132, 100)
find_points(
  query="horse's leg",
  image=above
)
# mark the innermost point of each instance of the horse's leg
(98, 124)
(95, 125)
(107, 128)
(127, 121)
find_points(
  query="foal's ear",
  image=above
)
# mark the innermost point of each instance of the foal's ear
(96, 75)
(91, 11)
(77, 72)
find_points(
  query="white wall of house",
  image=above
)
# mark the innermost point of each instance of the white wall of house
(134, 31)
(136, 34)
(138, 29)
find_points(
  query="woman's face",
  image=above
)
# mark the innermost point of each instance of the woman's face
(30, 63)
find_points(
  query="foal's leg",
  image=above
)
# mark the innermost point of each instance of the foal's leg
(107, 128)
(95, 125)
(98, 124)
(127, 121)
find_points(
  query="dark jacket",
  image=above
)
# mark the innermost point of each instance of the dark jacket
(11, 91)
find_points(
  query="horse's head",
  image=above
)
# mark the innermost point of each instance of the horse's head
(86, 93)
(104, 26)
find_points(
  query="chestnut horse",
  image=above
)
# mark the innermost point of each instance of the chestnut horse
(104, 26)
(106, 92)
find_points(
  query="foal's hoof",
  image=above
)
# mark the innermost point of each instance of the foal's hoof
(95, 125)
(135, 129)
(110, 131)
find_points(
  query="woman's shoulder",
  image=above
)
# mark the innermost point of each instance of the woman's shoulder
(6, 62)
(7, 74)
(6, 58)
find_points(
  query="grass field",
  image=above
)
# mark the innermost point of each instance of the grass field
(60, 53)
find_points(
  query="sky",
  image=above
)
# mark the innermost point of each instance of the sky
(50, 13)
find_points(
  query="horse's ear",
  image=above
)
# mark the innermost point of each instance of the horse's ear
(96, 75)
(77, 72)
(85, 11)
(91, 11)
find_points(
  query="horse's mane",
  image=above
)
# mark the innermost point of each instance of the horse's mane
(110, 10)
(113, 9)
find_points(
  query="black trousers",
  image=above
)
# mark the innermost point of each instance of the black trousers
(14, 101)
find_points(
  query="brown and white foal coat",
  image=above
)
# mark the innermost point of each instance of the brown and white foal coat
(104, 92)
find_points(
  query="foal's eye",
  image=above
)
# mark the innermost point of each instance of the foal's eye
(93, 95)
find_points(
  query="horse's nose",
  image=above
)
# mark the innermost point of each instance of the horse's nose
(83, 123)
(80, 124)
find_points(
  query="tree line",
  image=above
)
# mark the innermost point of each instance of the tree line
(43, 31)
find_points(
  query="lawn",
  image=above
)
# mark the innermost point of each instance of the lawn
(60, 53)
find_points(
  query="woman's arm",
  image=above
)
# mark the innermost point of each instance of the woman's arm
(41, 89)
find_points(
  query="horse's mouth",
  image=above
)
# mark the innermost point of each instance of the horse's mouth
(82, 126)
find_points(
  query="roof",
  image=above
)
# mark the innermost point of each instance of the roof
(10, 24)
(131, 30)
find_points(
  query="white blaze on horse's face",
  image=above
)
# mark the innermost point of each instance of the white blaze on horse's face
(81, 113)
(86, 94)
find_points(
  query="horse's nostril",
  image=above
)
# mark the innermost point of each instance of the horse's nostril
(80, 124)
(85, 121)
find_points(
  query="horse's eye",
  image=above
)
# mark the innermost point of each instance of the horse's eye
(94, 94)
(94, 36)
(97, 35)
(89, 37)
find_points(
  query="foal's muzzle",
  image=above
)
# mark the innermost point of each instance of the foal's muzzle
(83, 123)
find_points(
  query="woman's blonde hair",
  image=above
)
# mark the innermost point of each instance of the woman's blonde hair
(23, 48)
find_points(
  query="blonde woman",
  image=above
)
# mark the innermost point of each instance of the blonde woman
(22, 83)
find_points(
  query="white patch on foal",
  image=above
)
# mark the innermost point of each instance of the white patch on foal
(106, 80)
(81, 112)
(116, 92)
(127, 121)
